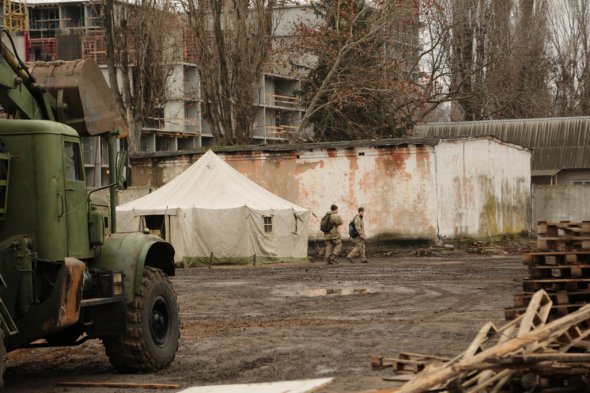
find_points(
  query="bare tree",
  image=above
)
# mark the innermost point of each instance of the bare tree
(498, 59)
(379, 67)
(138, 37)
(233, 40)
(570, 48)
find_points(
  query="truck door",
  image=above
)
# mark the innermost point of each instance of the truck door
(76, 205)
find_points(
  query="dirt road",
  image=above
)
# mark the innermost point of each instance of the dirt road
(283, 322)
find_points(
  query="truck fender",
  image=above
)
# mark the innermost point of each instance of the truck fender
(129, 253)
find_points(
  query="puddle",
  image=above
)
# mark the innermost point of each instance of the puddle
(315, 292)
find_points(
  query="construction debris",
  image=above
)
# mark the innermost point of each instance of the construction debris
(561, 267)
(526, 354)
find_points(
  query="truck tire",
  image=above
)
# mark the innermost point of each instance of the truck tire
(151, 340)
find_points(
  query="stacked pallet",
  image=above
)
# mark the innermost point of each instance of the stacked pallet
(561, 267)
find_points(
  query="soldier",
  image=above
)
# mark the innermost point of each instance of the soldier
(332, 235)
(357, 235)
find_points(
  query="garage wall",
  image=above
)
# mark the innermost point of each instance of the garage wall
(483, 188)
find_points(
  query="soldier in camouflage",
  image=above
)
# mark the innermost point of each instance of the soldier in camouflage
(332, 238)
(359, 240)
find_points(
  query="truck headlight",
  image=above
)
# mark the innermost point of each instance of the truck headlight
(117, 283)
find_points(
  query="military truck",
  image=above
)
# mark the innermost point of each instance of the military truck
(66, 276)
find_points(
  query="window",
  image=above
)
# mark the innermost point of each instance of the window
(155, 224)
(73, 161)
(581, 182)
(267, 224)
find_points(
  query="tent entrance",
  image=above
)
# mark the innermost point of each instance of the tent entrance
(157, 225)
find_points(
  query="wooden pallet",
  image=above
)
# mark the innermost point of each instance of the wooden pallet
(561, 297)
(559, 271)
(556, 258)
(557, 311)
(545, 228)
(564, 243)
(555, 284)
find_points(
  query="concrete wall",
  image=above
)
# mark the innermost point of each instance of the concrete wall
(471, 187)
(569, 176)
(561, 202)
(483, 188)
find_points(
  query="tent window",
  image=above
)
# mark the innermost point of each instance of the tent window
(156, 225)
(267, 224)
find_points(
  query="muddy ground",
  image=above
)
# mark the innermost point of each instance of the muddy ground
(284, 322)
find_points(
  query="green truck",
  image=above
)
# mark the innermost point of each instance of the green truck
(66, 276)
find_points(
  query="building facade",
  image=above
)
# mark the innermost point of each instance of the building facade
(71, 29)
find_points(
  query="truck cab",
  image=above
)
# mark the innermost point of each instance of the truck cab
(66, 276)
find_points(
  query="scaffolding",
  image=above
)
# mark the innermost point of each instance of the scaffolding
(94, 48)
(15, 15)
(190, 45)
(41, 49)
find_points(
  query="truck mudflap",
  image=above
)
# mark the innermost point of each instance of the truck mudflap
(60, 310)
(70, 292)
(129, 253)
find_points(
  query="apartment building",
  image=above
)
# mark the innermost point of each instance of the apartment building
(71, 29)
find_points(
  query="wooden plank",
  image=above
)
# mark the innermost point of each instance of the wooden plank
(400, 378)
(299, 386)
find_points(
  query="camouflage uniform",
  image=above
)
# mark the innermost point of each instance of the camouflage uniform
(333, 242)
(359, 241)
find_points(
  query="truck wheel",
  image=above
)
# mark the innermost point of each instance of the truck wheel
(151, 339)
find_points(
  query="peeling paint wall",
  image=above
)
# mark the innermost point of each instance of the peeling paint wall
(483, 188)
(470, 187)
(395, 185)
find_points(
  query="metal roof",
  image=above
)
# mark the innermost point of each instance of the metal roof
(557, 143)
(545, 172)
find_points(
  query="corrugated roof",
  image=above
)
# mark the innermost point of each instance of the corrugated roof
(557, 143)
(545, 172)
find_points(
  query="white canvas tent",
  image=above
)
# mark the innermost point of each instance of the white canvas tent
(213, 213)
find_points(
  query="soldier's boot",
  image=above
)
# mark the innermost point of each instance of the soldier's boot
(349, 259)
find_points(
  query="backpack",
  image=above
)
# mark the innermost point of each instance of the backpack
(326, 224)
(352, 229)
